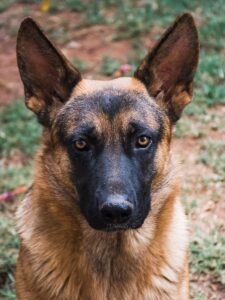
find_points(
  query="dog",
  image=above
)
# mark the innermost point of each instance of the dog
(101, 220)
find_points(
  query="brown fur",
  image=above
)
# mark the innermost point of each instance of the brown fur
(61, 256)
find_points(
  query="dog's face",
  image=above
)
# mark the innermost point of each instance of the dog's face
(111, 136)
(110, 139)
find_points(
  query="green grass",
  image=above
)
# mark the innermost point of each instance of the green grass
(76, 5)
(108, 66)
(19, 130)
(8, 254)
(210, 88)
(4, 4)
(188, 128)
(212, 154)
(132, 20)
(15, 176)
(197, 294)
(208, 255)
(80, 64)
(19, 136)
(199, 125)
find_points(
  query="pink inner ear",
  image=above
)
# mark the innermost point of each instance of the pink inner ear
(176, 64)
(40, 67)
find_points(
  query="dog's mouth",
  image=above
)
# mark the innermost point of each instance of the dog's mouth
(118, 227)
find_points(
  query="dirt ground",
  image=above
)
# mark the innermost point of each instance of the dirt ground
(91, 44)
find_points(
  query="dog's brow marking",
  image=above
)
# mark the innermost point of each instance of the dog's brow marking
(109, 105)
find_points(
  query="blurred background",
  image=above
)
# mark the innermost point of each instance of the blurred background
(106, 39)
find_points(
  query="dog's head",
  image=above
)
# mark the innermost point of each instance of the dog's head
(109, 140)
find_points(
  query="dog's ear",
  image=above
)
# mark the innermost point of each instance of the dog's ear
(168, 70)
(48, 77)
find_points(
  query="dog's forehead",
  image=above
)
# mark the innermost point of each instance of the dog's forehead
(128, 84)
(119, 101)
(110, 96)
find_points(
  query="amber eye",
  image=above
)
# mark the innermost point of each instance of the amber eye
(80, 144)
(143, 141)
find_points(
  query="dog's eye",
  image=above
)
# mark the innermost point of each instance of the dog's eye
(80, 145)
(143, 141)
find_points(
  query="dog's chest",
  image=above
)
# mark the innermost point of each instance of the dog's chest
(124, 281)
(137, 289)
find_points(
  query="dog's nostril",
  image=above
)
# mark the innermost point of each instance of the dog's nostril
(116, 212)
(108, 215)
(125, 214)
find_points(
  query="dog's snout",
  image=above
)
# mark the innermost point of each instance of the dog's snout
(116, 209)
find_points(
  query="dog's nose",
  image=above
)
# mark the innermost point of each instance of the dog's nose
(116, 210)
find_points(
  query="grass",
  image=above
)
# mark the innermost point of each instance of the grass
(210, 77)
(188, 128)
(19, 135)
(18, 130)
(199, 125)
(15, 176)
(108, 66)
(80, 64)
(198, 295)
(4, 4)
(212, 154)
(8, 254)
(208, 255)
